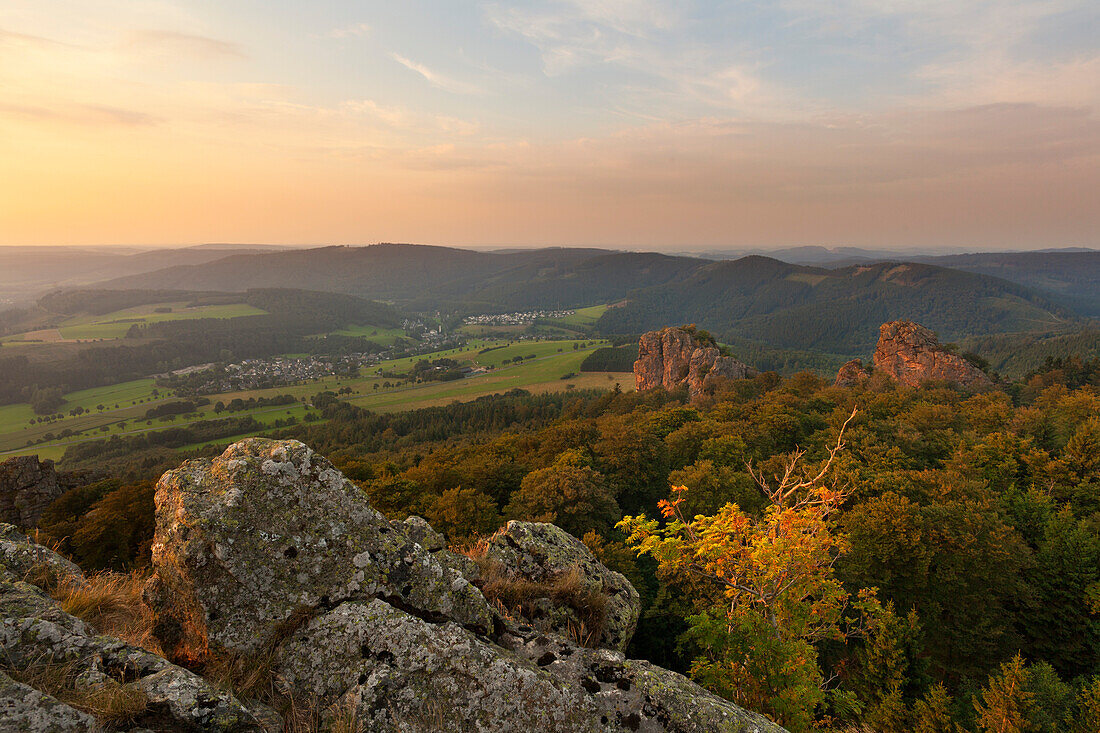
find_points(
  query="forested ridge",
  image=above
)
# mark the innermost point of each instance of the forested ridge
(959, 558)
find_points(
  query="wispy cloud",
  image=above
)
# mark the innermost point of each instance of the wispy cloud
(81, 114)
(187, 43)
(437, 79)
(355, 30)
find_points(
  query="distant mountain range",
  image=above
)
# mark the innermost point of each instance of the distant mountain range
(826, 307)
(830, 309)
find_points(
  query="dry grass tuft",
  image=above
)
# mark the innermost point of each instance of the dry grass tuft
(110, 702)
(519, 595)
(108, 602)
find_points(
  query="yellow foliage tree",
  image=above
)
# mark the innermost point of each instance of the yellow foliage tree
(772, 591)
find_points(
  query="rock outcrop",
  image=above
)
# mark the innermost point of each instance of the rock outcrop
(912, 355)
(674, 357)
(852, 374)
(269, 548)
(541, 553)
(27, 487)
(36, 635)
(268, 531)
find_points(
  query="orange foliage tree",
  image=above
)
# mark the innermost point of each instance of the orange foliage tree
(763, 584)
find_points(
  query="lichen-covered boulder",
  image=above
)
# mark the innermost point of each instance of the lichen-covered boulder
(541, 552)
(399, 672)
(34, 633)
(419, 531)
(635, 695)
(268, 531)
(25, 709)
(392, 671)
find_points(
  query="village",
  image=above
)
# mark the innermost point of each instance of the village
(521, 318)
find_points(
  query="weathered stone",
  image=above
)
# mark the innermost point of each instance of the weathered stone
(27, 487)
(34, 632)
(392, 671)
(25, 709)
(852, 374)
(20, 556)
(636, 695)
(268, 531)
(912, 355)
(675, 357)
(542, 552)
(419, 531)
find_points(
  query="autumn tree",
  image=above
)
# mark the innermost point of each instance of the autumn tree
(568, 493)
(767, 588)
(1004, 706)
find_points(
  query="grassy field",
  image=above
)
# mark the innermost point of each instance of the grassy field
(115, 325)
(124, 405)
(377, 334)
(583, 317)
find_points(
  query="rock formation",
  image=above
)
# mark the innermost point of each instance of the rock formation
(35, 634)
(674, 357)
(27, 487)
(267, 557)
(540, 552)
(852, 374)
(912, 355)
(246, 540)
(269, 548)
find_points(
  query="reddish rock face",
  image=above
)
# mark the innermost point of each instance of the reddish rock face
(911, 354)
(674, 357)
(852, 374)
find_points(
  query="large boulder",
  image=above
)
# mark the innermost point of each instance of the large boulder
(543, 553)
(675, 357)
(27, 487)
(269, 533)
(912, 355)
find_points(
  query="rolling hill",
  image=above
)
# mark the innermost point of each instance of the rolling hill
(754, 299)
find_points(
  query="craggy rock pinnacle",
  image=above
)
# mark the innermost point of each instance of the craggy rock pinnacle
(540, 552)
(852, 374)
(674, 357)
(269, 531)
(912, 355)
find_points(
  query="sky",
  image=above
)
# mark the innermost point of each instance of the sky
(626, 123)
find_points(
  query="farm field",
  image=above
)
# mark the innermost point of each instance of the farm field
(120, 409)
(115, 325)
(583, 317)
(377, 334)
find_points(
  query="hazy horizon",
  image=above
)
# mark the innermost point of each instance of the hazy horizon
(632, 124)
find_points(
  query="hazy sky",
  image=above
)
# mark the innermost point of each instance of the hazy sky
(633, 123)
